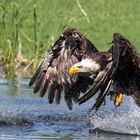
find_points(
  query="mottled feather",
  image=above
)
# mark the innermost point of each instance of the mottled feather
(52, 75)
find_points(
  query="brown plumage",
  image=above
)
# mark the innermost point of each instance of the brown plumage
(74, 54)
(123, 70)
(52, 75)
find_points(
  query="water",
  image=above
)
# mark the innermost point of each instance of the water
(24, 115)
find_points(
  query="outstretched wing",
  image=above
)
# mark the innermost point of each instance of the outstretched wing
(52, 74)
(129, 61)
(128, 72)
(125, 60)
(102, 81)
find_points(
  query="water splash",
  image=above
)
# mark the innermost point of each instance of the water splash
(124, 119)
(27, 110)
(12, 115)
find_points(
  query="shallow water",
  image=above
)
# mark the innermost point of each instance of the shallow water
(24, 115)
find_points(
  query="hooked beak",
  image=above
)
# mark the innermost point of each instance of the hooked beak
(74, 70)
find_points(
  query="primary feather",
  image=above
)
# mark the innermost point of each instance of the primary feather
(52, 75)
(123, 70)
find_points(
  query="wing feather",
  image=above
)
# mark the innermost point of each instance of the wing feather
(103, 80)
(128, 73)
(52, 74)
(39, 82)
(44, 87)
(58, 94)
(125, 70)
(51, 92)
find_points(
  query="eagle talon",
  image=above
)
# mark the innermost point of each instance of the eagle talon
(118, 99)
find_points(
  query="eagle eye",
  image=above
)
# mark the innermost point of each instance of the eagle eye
(80, 67)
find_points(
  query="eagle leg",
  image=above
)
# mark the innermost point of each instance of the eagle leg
(118, 99)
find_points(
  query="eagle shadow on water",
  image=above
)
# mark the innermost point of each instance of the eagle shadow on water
(76, 68)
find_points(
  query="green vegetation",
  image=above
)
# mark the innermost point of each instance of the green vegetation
(28, 28)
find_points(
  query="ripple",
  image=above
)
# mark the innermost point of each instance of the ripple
(104, 132)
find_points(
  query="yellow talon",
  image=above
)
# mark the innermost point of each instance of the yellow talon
(118, 99)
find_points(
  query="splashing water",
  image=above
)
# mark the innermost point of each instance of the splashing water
(23, 114)
(124, 120)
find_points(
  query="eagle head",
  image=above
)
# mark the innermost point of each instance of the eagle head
(91, 65)
(86, 67)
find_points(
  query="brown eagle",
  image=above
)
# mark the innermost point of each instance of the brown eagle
(75, 66)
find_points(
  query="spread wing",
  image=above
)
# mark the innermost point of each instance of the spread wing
(129, 61)
(125, 62)
(103, 81)
(52, 75)
(128, 71)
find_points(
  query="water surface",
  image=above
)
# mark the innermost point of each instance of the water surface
(24, 115)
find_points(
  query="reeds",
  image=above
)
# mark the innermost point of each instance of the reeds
(29, 28)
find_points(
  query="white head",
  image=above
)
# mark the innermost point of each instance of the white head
(86, 66)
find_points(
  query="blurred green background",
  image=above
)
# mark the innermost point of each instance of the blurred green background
(29, 27)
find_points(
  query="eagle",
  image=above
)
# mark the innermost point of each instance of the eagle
(122, 72)
(74, 67)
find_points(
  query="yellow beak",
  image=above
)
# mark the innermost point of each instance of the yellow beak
(73, 70)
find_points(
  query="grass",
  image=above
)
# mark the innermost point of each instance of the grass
(28, 28)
